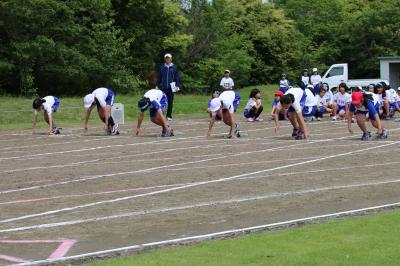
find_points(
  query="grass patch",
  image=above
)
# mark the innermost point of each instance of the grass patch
(16, 112)
(366, 240)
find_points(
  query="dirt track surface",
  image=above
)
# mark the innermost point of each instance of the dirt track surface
(107, 192)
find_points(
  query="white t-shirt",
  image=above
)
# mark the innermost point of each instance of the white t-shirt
(48, 105)
(306, 80)
(250, 103)
(321, 101)
(298, 94)
(101, 95)
(227, 82)
(342, 99)
(315, 79)
(311, 100)
(380, 99)
(328, 97)
(374, 96)
(227, 98)
(392, 96)
(154, 95)
(283, 83)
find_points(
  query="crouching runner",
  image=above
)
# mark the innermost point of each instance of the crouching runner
(361, 105)
(293, 101)
(103, 99)
(226, 105)
(156, 101)
(48, 105)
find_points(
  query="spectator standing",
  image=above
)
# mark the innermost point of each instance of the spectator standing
(227, 82)
(169, 82)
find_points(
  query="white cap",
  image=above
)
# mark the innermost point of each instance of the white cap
(167, 55)
(227, 70)
(310, 86)
(315, 69)
(215, 104)
(88, 100)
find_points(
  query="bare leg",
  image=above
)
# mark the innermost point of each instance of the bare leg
(361, 123)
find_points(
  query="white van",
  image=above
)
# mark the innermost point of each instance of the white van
(339, 73)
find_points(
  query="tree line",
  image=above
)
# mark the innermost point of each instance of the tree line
(70, 47)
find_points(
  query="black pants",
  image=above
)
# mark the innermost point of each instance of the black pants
(170, 97)
(254, 113)
(110, 119)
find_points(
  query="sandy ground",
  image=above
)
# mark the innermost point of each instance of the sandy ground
(107, 192)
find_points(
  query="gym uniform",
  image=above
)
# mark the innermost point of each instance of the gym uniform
(341, 100)
(393, 98)
(229, 100)
(227, 82)
(300, 97)
(103, 97)
(310, 104)
(367, 107)
(51, 105)
(284, 85)
(158, 100)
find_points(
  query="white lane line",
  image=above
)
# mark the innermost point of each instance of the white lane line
(260, 141)
(320, 170)
(215, 235)
(199, 205)
(86, 178)
(7, 149)
(224, 165)
(129, 144)
(91, 162)
(195, 184)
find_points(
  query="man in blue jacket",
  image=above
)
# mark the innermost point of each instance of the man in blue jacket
(169, 82)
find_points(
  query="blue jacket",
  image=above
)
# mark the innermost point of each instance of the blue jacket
(166, 75)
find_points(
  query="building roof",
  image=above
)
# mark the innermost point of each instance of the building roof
(388, 58)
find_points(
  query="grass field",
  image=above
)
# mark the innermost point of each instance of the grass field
(367, 240)
(16, 112)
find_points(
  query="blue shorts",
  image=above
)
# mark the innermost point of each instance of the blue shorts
(110, 97)
(392, 107)
(56, 104)
(162, 105)
(309, 110)
(302, 103)
(321, 109)
(340, 108)
(236, 102)
(283, 89)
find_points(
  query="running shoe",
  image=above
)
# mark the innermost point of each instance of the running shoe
(114, 130)
(56, 131)
(259, 119)
(295, 132)
(250, 119)
(366, 136)
(384, 134)
(237, 132)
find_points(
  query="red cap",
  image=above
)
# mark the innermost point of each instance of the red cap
(357, 98)
(279, 93)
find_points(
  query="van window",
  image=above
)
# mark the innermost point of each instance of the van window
(336, 71)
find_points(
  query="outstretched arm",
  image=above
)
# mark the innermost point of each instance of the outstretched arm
(86, 116)
(35, 118)
(139, 123)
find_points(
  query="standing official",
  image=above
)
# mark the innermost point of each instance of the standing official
(169, 82)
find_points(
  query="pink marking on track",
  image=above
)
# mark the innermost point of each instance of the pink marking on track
(61, 250)
(12, 259)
